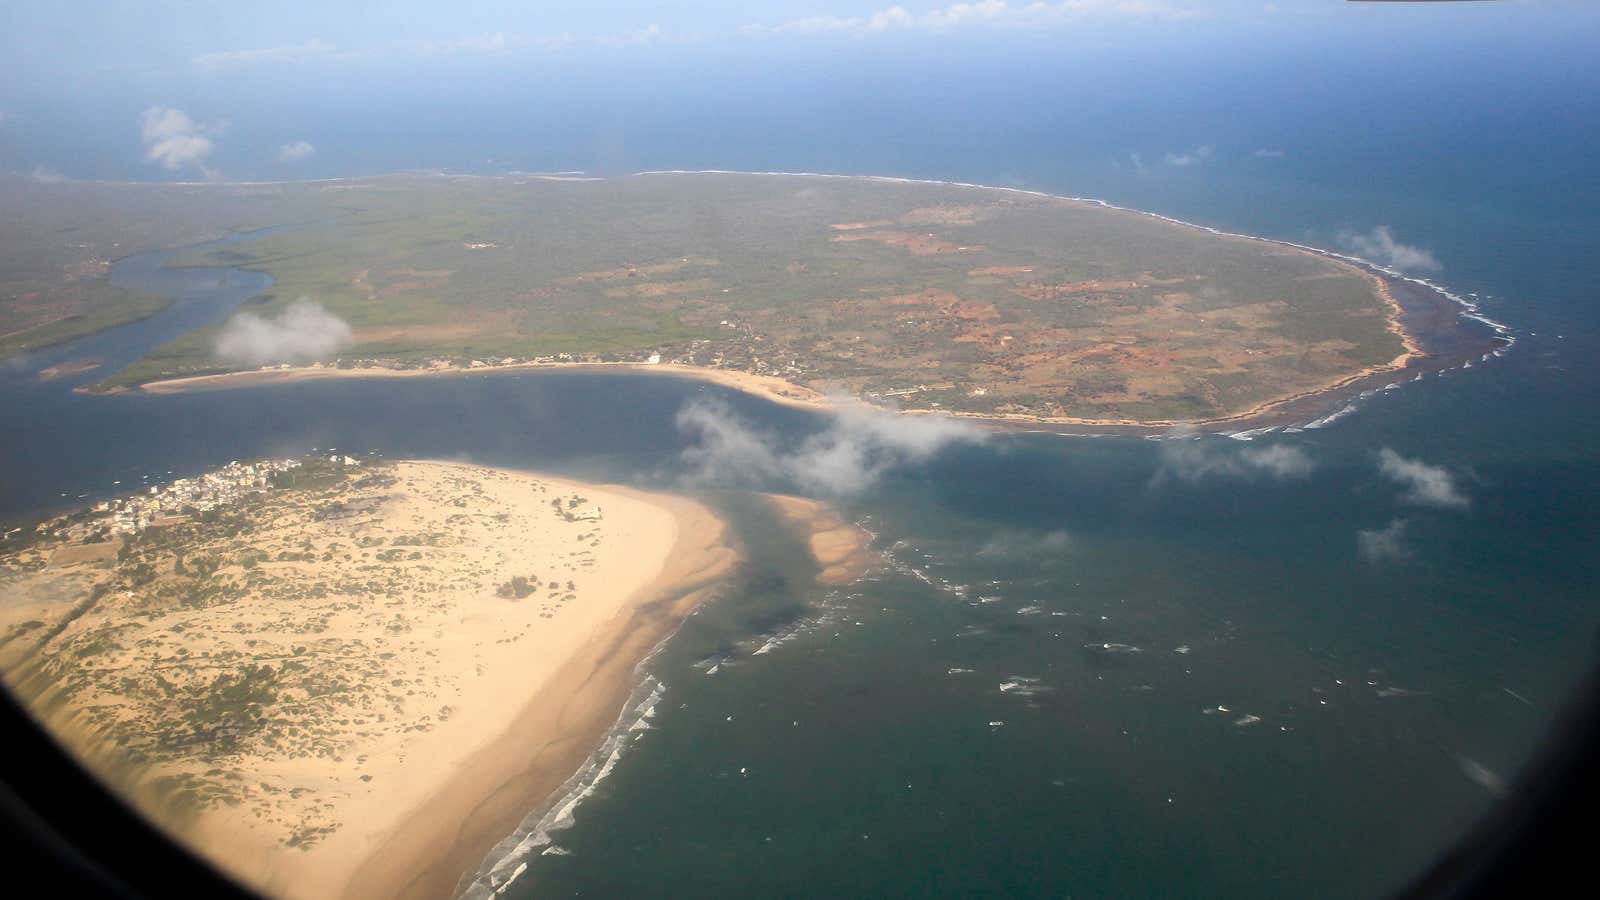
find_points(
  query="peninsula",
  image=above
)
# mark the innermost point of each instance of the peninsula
(999, 304)
(338, 677)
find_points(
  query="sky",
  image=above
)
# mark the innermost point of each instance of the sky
(194, 91)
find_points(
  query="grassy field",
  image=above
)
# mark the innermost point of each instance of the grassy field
(86, 308)
(58, 240)
(924, 295)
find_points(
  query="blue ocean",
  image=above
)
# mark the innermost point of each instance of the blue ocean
(1082, 672)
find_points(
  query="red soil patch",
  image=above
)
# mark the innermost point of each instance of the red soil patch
(1041, 291)
(942, 215)
(1005, 271)
(857, 226)
(404, 287)
(919, 244)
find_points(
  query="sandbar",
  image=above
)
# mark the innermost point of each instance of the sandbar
(840, 550)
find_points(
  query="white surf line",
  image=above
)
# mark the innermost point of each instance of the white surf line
(1469, 308)
(1525, 701)
(508, 860)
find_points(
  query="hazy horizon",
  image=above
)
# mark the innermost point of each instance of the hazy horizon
(183, 95)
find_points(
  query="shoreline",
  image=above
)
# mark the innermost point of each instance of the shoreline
(842, 554)
(445, 839)
(1275, 412)
(1278, 411)
(440, 842)
(767, 387)
(367, 790)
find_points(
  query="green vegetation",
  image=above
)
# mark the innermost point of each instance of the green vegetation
(102, 305)
(921, 295)
(60, 240)
(518, 587)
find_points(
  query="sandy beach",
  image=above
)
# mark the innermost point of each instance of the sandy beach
(770, 388)
(788, 393)
(839, 548)
(463, 645)
(767, 387)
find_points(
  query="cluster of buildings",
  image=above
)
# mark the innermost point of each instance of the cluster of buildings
(162, 504)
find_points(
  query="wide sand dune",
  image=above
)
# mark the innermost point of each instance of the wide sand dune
(356, 686)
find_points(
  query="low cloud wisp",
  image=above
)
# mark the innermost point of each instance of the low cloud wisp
(46, 175)
(1185, 159)
(296, 151)
(304, 332)
(1195, 459)
(857, 448)
(1022, 544)
(1425, 485)
(298, 53)
(175, 141)
(1383, 545)
(1380, 246)
(981, 13)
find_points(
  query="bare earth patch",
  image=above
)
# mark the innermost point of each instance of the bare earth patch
(291, 683)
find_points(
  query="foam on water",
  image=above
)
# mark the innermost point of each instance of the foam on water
(508, 861)
(1023, 686)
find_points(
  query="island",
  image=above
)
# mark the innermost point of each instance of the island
(1005, 305)
(348, 677)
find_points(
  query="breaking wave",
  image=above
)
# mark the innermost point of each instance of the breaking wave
(1468, 304)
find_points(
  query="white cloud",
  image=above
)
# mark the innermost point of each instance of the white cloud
(1265, 153)
(981, 13)
(46, 175)
(174, 140)
(489, 43)
(232, 59)
(493, 43)
(1035, 15)
(1195, 157)
(1278, 460)
(501, 43)
(1019, 544)
(639, 37)
(296, 151)
(301, 333)
(1425, 485)
(1194, 459)
(1380, 246)
(1383, 545)
(859, 445)
(497, 42)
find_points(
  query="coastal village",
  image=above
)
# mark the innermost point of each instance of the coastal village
(695, 353)
(172, 503)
